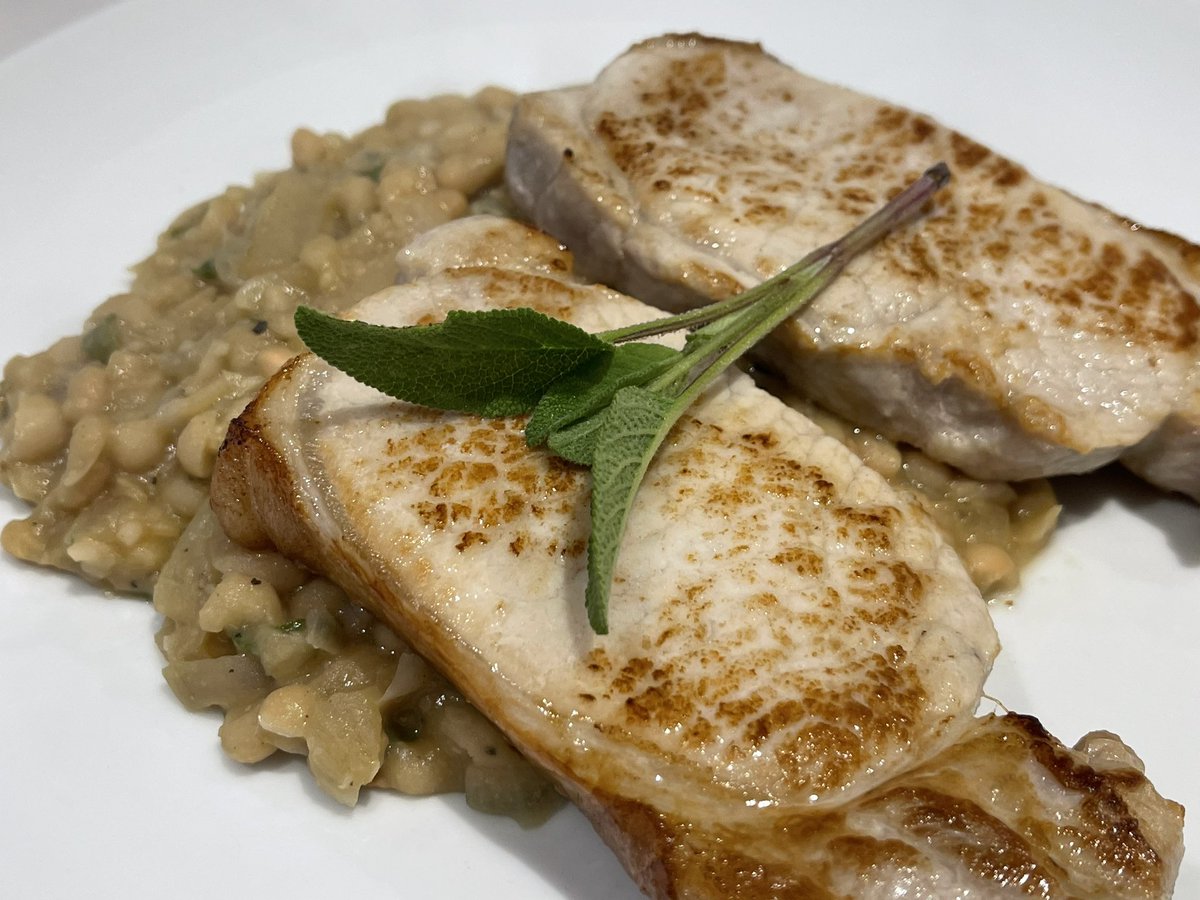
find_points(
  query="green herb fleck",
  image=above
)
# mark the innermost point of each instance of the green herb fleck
(292, 626)
(243, 641)
(406, 725)
(596, 399)
(102, 339)
(206, 271)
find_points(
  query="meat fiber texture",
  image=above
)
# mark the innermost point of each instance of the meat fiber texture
(1016, 332)
(795, 654)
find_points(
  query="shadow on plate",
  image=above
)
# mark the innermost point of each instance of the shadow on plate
(566, 851)
(1177, 517)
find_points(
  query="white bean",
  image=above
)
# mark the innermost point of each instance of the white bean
(40, 429)
(138, 445)
(239, 601)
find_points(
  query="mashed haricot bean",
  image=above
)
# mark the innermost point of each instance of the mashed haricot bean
(111, 435)
(297, 666)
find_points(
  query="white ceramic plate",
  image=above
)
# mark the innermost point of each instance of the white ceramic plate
(113, 125)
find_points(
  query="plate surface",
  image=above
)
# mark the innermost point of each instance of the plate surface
(126, 117)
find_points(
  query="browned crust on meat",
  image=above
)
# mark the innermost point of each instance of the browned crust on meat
(251, 475)
(957, 808)
(668, 860)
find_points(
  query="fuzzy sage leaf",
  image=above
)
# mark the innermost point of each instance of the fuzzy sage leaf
(492, 363)
(632, 428)
(586, 391)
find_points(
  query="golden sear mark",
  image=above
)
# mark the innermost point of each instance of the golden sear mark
(1104, 292)
(470, 539)
(886, 592)
(440, 516)
(461, 476)
(764, 440)
(475, 475)
(967, 153)
(806, 562)
(570, 550)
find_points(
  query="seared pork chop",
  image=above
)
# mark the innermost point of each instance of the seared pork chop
(753, 535)
(1015, 332)
(788, 634)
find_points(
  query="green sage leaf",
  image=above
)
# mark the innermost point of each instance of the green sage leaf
(492, 363)
(577, 442)
(632, 428)
(589, 388)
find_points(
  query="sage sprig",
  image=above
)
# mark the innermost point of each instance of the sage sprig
(602, 400)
